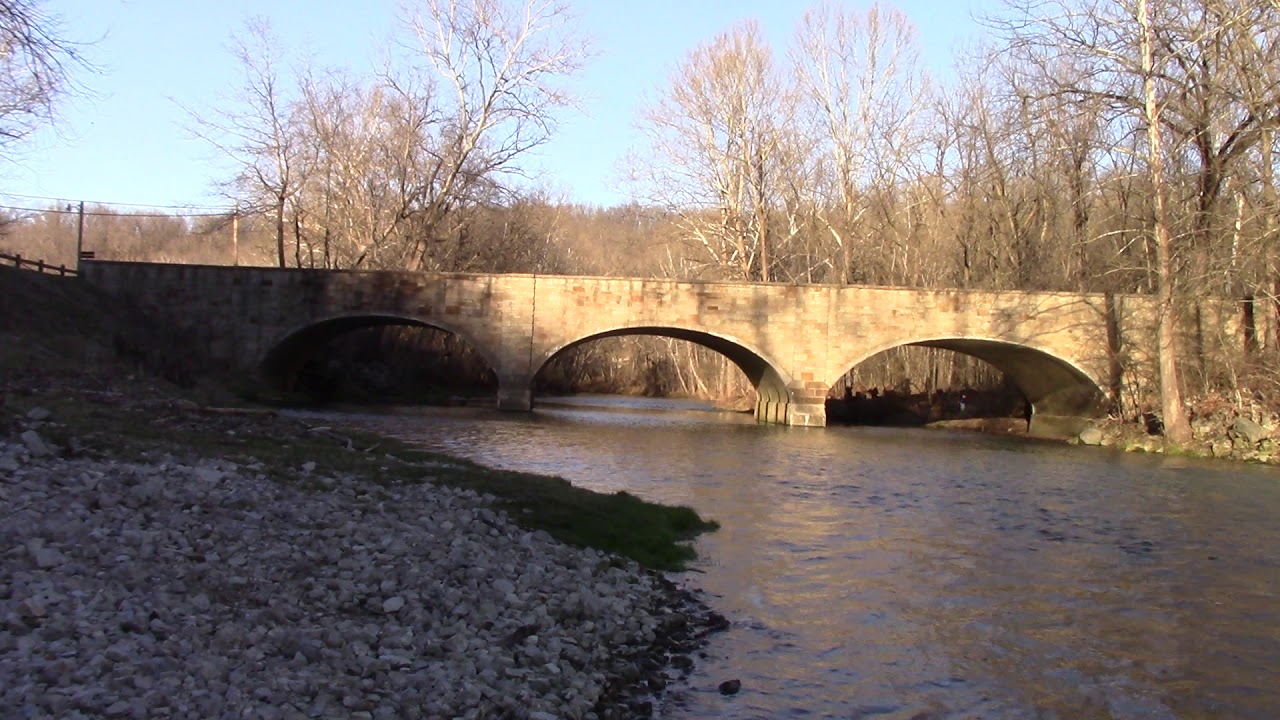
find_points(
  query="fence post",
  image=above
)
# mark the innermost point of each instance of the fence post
(17, 260)
(40, 266)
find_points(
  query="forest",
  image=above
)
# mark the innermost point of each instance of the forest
(1101, 146)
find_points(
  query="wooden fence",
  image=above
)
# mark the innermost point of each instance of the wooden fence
(38, 265)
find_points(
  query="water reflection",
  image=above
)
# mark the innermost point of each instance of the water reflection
(894, 573)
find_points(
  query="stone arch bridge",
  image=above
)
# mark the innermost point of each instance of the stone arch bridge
(1062, 350)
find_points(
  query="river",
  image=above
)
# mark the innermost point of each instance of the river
(887, 573)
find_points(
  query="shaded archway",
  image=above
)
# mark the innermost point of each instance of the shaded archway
(286, 366)
(772, 396)
(1061, 395)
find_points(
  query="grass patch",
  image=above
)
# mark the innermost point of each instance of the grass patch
(656, 536)
(653, 535)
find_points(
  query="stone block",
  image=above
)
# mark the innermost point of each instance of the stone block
(810, 334)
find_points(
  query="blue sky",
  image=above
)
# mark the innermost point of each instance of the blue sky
(127, 142)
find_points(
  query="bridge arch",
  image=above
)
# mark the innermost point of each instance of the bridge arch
(1061, 393)
(285, 357)
(772, 394)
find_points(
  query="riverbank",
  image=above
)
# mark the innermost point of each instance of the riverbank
(169, 557)
(1226, 433)
(244, 562)
(1244, 432)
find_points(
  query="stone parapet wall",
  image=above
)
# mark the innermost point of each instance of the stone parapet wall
(792, 341)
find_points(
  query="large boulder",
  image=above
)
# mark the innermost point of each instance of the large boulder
(1249, 431)
(1091, 435)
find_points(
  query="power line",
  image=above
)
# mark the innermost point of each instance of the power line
(119, 204)
(99, 213)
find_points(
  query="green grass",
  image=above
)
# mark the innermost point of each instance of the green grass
(656, 536)
(653, 535)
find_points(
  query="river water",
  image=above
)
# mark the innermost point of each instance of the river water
(887, 573)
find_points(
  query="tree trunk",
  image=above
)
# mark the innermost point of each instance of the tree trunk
(1177, 428)
(1272, 267)
(280, 231)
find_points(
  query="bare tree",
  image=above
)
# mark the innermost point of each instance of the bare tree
(486, 79)
(1176, 425)
(989, 203)
(387, 172)
(865, 90)
(37, 66)
(1156, 67)
(714, 139)
(257, 130)
(363, 159)
(1245, 135)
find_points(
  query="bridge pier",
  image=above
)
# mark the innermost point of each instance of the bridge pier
(515, 395)
(515, 401)
(771, 411)
(807, 406)
(801, 413)
(807, 414)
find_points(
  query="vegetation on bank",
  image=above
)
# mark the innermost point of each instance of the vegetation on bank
(98, 368)
(1080, 146)
(114, 424)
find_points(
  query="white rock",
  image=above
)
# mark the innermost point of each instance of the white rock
(209, 475)
(235, 596)
(1091, 435)
(34, 443)
(33, 607)
(46, 557)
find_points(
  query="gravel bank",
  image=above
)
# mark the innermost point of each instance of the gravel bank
(182, 587)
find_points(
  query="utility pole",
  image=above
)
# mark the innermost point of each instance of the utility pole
(235, 236)
(79, 236)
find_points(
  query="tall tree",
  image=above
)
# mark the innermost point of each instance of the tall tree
(1159, 67)
(1176, 425)
(487, 78)
(257, 130)
(717, 134)
(864, 90)
(363, 144)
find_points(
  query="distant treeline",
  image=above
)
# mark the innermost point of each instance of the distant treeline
(1091, 147)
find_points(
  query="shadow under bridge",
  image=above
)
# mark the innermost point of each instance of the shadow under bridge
(283, 364)
(772, 396)
(1062, 396)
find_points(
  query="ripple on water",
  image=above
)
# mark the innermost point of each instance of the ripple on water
(905, 574)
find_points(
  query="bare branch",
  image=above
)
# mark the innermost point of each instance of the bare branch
(37, 68)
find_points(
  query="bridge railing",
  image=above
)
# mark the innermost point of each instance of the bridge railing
(39, 266)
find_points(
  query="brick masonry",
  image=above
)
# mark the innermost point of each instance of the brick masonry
(792, 341)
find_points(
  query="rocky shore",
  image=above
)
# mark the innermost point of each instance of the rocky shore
(198, 587)
(1248, 432)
